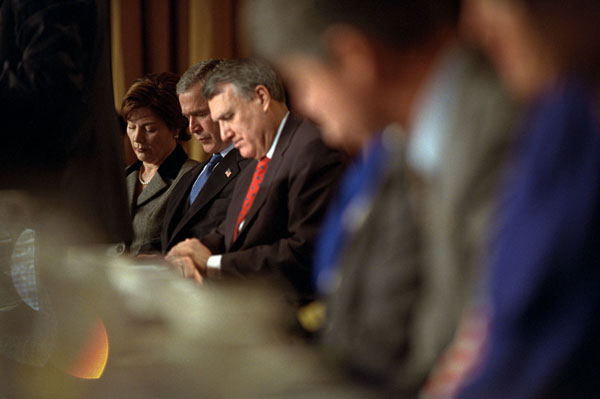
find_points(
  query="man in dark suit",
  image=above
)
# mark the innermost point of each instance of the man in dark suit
(199, 201)
(280, 199)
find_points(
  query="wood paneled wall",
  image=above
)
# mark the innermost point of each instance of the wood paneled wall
(168, 35)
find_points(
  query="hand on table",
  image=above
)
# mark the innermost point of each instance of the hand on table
(189, 256)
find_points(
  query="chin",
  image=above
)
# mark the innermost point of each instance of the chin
(247, 153)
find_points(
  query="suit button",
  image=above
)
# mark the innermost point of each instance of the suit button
(116, 250)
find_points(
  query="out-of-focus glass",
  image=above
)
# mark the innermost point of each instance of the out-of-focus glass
(79, 322)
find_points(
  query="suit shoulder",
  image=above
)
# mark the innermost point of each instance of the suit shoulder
(305, 134)
(234, 157)
(308, 129)
(309, 137)
(189, 165)
(195, 168)
(308, 148)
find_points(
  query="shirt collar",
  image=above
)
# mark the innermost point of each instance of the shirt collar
(432, 120)
(279, 130)
(226, 150)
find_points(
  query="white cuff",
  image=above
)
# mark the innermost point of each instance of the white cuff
(213, 266)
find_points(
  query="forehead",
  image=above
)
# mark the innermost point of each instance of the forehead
(226, 100)
(193, 97)
(142, 114)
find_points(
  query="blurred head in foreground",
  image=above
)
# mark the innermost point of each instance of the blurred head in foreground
(532, 42)
(351, 66)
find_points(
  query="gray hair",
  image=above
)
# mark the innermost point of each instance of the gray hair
(282, 27)
(245, 75)
(196, 74)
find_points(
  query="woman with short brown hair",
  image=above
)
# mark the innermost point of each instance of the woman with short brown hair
(154, 125)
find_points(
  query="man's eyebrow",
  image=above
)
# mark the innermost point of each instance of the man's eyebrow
(200, 112)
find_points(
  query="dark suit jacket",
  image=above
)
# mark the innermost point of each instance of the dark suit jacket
(280, 228)
(210, 207)
(60, 134)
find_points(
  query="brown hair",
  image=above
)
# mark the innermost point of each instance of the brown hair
(157, 92)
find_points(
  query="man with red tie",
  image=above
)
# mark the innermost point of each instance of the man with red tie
(280, 198)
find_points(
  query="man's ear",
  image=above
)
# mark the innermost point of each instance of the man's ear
(263, 96)
(353, 54)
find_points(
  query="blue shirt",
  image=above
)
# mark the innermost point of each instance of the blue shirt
(357, 188)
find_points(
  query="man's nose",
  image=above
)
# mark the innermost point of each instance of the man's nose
(194, 125)
(226, 133)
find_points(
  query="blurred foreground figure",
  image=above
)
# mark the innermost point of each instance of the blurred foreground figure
(415, 230)
(60, 133)
(61, 168)
(544, 274)
(152, 334)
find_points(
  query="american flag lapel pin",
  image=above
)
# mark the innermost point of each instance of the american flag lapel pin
(228, 173)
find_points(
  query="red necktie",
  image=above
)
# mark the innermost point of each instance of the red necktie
(257, 178)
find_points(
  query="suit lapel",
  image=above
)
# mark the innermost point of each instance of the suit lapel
(179, 199)
(216, 181)
(273, 172)
(237, 200)
(156, 186)
(131, 182)
(225, 172)
(170, 169)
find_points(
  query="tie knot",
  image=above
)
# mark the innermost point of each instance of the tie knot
(216, 158)
(263, 162)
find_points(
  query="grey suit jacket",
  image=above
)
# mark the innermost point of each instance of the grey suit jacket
(408, 270)
(148, 209)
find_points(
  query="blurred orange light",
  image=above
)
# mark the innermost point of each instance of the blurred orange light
(92, 359)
